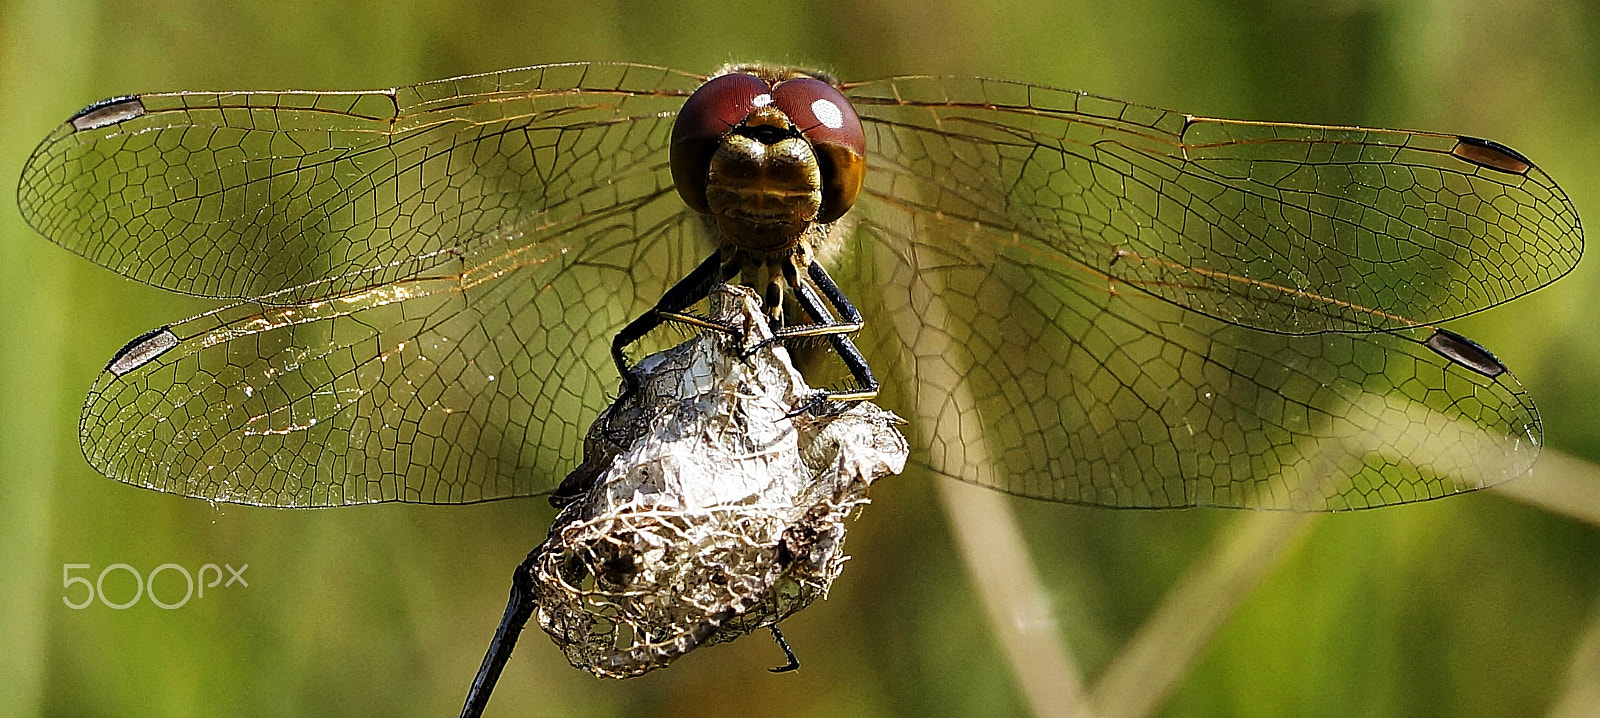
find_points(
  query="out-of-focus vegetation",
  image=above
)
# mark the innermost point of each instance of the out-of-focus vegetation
(1476, 605)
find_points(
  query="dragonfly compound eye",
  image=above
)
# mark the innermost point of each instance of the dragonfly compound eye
(710, 114)
(829, 122)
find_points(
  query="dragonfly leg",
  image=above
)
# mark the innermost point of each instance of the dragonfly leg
(681, 296)
(773, 301)
(822, 321)
(783, 643)
(823, 324)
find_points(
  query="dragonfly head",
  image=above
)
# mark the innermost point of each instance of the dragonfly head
(767, 157)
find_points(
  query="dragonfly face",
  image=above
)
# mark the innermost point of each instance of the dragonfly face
(1073, 298)
(767, 152)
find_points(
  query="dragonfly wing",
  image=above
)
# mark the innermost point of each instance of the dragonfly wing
(473, 382)
(255, 194)
(1287, 228)
(1037, 376)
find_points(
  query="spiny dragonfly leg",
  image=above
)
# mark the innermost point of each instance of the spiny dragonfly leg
(823, 325)
(681, 296)
(783, 643)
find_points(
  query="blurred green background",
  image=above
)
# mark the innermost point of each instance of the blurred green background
(1476, 605)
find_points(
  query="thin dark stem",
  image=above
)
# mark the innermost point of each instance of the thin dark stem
(784, 644)
(518, 609)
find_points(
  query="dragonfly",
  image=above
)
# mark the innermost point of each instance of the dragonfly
(431, 290)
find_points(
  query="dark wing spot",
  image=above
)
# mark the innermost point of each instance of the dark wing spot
(1465, 352)
(1495, 156)
(142, 350)
(107, 112)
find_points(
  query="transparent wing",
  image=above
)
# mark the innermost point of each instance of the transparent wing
(440, 269)
(250, 194)
(1296, 229)
(1024, 373)
(436, 300)
(466, 385)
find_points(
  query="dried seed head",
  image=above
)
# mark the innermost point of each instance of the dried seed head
(711, 510)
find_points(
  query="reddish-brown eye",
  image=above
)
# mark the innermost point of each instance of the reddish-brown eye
(828, 121)
(714, 109)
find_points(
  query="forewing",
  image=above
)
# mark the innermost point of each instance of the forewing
(1034, 376)
(251, 194)
(1287, 228)
(471, 383)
